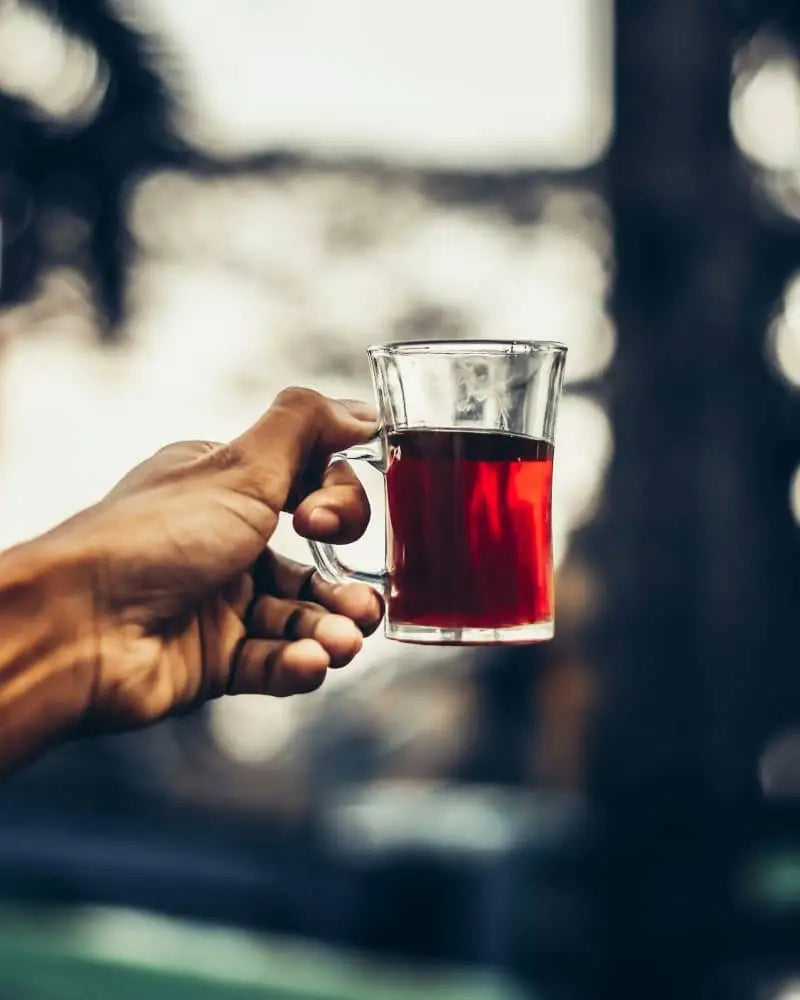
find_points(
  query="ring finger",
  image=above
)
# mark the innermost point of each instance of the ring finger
(276, 617)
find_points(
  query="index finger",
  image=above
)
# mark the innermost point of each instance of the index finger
(301, 426)
(338, 512)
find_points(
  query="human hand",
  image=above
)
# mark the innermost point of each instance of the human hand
(186, 600)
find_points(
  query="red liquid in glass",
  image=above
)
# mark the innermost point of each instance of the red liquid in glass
(469, 539)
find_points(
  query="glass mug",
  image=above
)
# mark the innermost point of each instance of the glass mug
(466, 449)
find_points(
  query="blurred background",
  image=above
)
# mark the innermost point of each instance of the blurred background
(203, 202)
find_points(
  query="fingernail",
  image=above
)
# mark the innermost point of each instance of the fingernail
(324, 521)
(361, 410)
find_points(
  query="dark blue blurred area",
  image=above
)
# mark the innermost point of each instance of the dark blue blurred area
(623, 818)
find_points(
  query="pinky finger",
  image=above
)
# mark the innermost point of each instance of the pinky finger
(278, 667)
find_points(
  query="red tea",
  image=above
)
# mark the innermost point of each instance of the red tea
(469, 538)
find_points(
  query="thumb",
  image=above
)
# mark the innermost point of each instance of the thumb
(300, 426)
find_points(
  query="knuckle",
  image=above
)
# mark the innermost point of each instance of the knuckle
(293, 626)
(312, 589)
(300, 397)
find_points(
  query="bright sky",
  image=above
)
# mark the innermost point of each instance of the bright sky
(511, 82)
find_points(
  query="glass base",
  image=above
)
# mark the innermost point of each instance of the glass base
(520, 634)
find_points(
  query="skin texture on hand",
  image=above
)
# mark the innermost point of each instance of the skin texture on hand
(174, 594)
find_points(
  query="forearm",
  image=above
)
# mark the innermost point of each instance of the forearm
(46, 647)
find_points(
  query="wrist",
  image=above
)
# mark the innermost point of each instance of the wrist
(47, 644)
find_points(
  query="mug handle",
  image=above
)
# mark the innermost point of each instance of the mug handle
(326, 559)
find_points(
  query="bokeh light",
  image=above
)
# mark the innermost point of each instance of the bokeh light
(794, 495)
(783, 337)
(765, 116)
(788, 991)
(779, 765)
(766, 113)
(58, 74)
(251, 729)
(584, 447)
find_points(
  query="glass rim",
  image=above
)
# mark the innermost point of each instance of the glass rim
(467, 346)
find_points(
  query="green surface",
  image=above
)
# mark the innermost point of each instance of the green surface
(88, 953)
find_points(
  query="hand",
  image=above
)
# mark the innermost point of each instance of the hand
(187, 602)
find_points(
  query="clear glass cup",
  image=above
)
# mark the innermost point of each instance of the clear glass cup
(466, 448)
